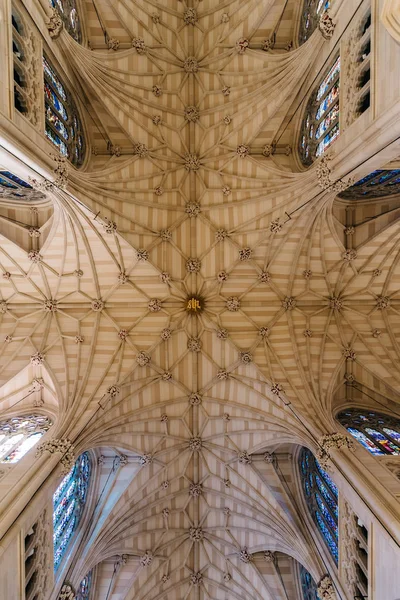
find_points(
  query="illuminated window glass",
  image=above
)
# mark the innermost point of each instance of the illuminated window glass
(310, 16)
(20, 434)
(69, 14)
(84, 587)
(63, 127)
(68, 504)
(308, 585)
(322, 499)
(378, 433)
(375, 185)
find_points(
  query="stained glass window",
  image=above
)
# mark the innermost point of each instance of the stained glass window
(308, 585)
(378, 433)
(63, 127)
(375, 185)
(310, 16)
(68, 504)
(320, 125)
(69, 14)
(15, 188)
(322, 499)
(84, 587)
(20, 434)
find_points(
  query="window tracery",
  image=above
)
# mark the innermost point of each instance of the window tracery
(377, 184)
(322, 499)
(67, 9)
(25, 51)
(15, 188)
(85, 587)
(308, 585)
(378, 433)
(63, 127)
(68, 504)
(19, 434)
(310, 16)
(320, 126)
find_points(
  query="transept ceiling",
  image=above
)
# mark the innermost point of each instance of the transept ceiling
(191, 212)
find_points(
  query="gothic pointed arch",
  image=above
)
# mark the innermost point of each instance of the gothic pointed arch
(321, 496)
(19, 434)
(376, 432)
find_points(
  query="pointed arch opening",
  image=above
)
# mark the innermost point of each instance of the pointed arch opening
(376, 432)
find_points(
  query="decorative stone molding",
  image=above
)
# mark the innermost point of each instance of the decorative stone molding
(196, 534)
(325, 589)
(156, 119)
(97, 305)
(63, 446)
(269, 556)
(165, 513)
(233, 303)
(242, 151)
(140, 150)
(196, 579)
(165, 334)
(54, 24)
(109, 227)
(165, 484)
(332, 441)
(155, 17)
(326, 26)
(157, 90)
(78, 273)
(268, 44)
(349, 230)
(35, 256)
(349, 354)
(34, 232)
(8, 339)
(146, 459)
(146, 559)
(79, 339)
(37, 384)
(289, 303)
(227, 511)
(191, 64)
(226, 90)
(165, 277)
(195, 490)
(348, 538)
(382, 302)
(245, 254)
(122, 278)
(335, 303)
(325, 182)
(114, 150)
(244, 458)
(143, 359)
(275, 226)
(40, 558)
(226, 417)
(307, 333)
(241, 45)
(6, 275)
(227, 577)
(194, 344)
(223, 374)
(191, 162)
(139, 45)
(190, 16)
(195, 444)
(376, 333)
(50, 305)
(192, 114)
(264, 276)
(3, 307)
(66, 593)
(264, 332)
(227, 120)
(142, 255)
(165, 578)
(246, 358)
(192, 209)
(222, 334)
(61, 172)
(226, 190)
(166, 235)
(123, 334)
(195, 399)
(113, 391)
(376, 272)
(225, 18)
(349, 377)
(222, 276)
(245, 556)
(154, 305)
(166, 376)
(349, 255)
(113, 44)
(276, 389)
(37, 358)
(268, 150)
(269, 457)
(221, 235)
(193, 265)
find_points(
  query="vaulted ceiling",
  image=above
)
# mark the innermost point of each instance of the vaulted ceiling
(187, 206)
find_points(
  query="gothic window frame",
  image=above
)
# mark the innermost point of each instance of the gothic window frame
(360, 429)
(19, 32)
(69, 11)
(377, 184)
(31, 427)
(316, 116)
(311, 12)
(69, 503)
(322, 505)
(63, 124)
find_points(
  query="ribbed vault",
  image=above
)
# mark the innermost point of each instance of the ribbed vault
(188, 205)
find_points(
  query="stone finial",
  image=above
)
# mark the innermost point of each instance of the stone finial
(62, 446)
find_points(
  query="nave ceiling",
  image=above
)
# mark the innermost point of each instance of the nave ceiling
(188, 206)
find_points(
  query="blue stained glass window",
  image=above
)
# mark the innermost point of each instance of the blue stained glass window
(374, 185)
(310, 16)
(321, 496)
(68, 504)
(378, 433)
(84, 587)
(308, 585)
(63, 126)
(69, 15)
